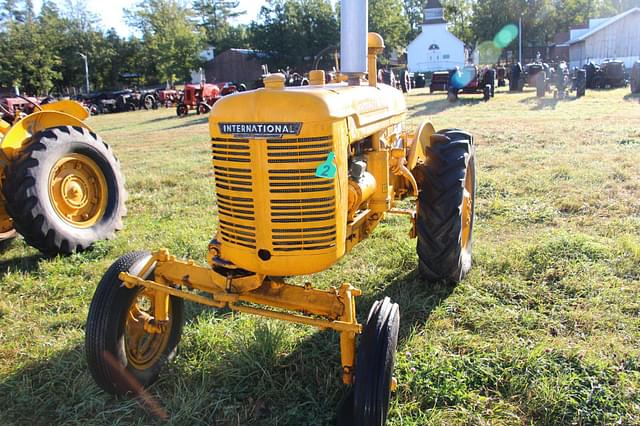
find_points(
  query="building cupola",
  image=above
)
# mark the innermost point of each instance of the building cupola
(434, 13)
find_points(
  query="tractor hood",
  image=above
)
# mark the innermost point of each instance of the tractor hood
(365, 106)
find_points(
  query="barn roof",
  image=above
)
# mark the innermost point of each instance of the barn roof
(605, 24)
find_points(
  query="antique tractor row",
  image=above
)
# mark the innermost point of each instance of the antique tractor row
(302, 175)
(61, 186)
(201, 97)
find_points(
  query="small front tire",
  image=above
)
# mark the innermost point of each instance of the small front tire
(374, 364)
(121, 354)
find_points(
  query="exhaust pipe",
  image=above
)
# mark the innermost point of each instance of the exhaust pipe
(354, 15)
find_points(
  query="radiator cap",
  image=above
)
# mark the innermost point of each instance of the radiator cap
(274, 81)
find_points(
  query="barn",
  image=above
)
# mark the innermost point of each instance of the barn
(617, 37)
(241, 65)
(435, 48)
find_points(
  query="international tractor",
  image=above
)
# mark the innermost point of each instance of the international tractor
(61, 186)
(302, 175)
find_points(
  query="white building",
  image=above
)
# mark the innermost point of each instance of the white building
(617, 38)
(435, 49)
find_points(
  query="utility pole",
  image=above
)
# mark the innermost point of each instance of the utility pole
(86, 71)
(520, 39)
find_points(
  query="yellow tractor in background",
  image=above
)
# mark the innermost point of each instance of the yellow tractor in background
(302, 175)
(61, 186)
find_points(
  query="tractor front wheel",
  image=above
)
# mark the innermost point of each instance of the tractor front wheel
(446, 202)
(65, 191)
(124, 351)
(182, 110)
(374, 364)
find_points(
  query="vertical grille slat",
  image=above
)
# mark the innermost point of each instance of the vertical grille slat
(299, 197)
(234, 187)
(301, 215)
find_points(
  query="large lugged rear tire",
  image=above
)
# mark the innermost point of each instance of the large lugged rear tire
(446, 207)
(121, 354)
(65, 191)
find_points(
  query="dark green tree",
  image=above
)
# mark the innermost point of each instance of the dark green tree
(171, 40)
(214, 17)
(388, 18)
(292, 32)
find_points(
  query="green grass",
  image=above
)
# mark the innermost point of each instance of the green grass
(545, 329)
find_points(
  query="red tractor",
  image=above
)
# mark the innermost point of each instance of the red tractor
(13, 106)
(168, 97)
(199, 97)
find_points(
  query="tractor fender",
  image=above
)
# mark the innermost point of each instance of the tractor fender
(19, 134)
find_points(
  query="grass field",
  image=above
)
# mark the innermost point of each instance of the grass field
(545, 329)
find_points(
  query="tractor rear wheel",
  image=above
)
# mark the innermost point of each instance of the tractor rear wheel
(541, 84)
(486, 93)
(446, 201)
(149, 102)
(374, 364)
(65, 191)
(405, 81)
(122, 353)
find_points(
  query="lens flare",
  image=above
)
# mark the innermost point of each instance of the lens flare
(505, 36)
(489, 52)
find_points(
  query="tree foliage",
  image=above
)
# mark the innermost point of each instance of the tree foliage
(387, 17)
(40, 48)
(291, 32)
(170, 42)
(215, 17)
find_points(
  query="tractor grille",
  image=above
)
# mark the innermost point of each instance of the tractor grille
(302, 205)
(234, 189)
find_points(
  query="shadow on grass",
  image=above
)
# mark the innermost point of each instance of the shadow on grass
(189, 123)
(439, 105)
(21, 263)
(632, 97)
(249, 382)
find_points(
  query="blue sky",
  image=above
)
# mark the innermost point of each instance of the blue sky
(110, 12)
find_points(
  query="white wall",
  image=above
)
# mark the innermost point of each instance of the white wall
(450, 52)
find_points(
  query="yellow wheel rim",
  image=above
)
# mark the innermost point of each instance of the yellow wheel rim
(467, 205)
(142, 348)
(78, 190)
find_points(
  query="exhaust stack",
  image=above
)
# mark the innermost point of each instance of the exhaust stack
(354, 15)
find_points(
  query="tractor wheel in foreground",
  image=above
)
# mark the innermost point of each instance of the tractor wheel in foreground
(122, 354)
(182, 110)
(65, 191)
(374, 364)
(446, 201)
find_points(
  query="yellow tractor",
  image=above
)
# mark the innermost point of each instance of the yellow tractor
(302, 175)
(62, 189)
